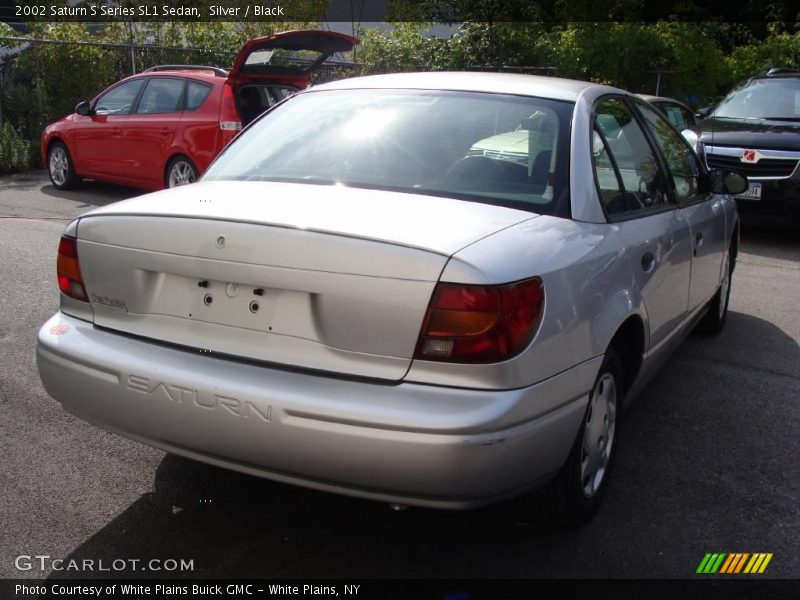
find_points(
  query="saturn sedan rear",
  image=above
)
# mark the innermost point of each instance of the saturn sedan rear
(429, 289)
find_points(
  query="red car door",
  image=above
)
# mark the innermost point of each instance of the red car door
(153, 130)
(97, 139)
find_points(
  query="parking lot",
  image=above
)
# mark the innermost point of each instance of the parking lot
(707, 457)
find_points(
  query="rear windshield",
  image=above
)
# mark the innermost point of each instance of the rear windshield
(280, 60)
(775, 99)
(492, 148)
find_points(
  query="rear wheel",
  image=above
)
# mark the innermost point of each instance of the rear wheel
(574, 496)
(60, 168)
(714, 320)
(180, 171)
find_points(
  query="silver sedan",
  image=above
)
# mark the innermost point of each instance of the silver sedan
(437, 289)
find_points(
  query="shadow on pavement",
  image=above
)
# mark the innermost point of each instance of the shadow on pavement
(239, 526)
(782, 240)
(680, 488)
(93, 193)
(748, 341)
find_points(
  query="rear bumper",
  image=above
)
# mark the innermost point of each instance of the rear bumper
(406, 443)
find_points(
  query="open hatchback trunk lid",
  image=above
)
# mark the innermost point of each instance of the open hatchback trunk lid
(318, 277)
(291, 54)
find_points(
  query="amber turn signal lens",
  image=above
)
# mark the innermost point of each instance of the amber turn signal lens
(480, 324)
(68, 269)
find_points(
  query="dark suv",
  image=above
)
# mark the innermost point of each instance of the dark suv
(755, 130)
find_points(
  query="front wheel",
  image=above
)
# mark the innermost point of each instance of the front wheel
(574, 496)
(60, 167)
(180, 171)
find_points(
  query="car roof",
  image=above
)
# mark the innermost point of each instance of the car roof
(199, 73)
(472, 81)
(650, 98)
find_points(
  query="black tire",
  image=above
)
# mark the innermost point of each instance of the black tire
(572, 498)
(180, 171)
(60, 167)
(713, 322)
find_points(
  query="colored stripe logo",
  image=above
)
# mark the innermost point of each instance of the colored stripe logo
(734, 563)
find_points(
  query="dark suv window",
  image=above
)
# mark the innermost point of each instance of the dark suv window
(763, 98)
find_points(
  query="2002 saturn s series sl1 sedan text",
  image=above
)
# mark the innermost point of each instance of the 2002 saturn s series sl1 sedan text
(433, 289)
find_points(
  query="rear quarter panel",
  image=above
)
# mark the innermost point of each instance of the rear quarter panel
(201, 140)
(589, 293)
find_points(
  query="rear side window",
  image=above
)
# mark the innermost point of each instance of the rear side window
(162, 95)
(196, 93)
(629, 177)
(674, 114)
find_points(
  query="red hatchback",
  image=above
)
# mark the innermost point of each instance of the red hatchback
(164, 126)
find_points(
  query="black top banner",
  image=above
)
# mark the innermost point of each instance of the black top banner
(443, 11)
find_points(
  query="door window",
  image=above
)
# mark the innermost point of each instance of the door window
(629, 177)
(680, 159)
(119, 100)
(162, 95)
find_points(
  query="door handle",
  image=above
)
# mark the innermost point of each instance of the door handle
(648, 262)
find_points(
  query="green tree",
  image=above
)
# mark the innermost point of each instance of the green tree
(777, 50)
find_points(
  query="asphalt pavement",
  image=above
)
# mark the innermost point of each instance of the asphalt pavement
(707, 462)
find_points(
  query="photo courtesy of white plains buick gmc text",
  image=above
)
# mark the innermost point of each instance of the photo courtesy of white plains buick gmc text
(436, 289)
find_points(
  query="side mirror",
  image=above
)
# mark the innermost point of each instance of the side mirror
(702, 113)
(727, 182)
(83, 108)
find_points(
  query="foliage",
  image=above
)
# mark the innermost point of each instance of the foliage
(45, 81)
(625, 54)
(779, 50)
(15, 152)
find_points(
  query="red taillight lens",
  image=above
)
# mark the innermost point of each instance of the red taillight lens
(68, 270)
(229, 121)
(480, 324)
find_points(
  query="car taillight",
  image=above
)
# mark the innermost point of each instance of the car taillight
(68, 270)
(229, 120)
(480, 323)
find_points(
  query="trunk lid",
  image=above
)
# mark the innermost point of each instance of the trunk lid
(290, 55)
(318, 277)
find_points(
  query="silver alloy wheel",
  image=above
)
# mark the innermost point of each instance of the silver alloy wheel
(181, 173)
(59, 165)
(723, 288)
(598, 434)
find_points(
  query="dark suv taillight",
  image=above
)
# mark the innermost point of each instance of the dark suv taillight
(68, 270)
(480, 323)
